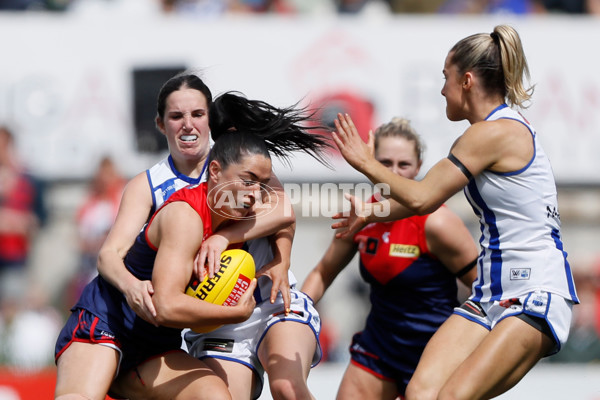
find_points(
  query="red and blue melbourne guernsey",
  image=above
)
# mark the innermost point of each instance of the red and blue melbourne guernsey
(412, 294)
(140, 340)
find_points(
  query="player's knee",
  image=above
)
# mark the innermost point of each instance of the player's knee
(205, 392)
(284, 389)
(448, 393)
(418, 391)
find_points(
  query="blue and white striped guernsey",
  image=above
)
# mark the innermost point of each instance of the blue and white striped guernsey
(521, 245)
(164, 180)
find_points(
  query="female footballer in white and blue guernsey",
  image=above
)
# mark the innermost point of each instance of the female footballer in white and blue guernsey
(521, 305)
(520, 227)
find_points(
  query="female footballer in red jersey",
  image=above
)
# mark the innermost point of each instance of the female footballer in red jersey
(411, 266)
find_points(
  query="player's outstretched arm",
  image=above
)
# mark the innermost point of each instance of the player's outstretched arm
(337, 256)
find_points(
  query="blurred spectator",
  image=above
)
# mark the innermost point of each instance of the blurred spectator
(415, 6)
(195, 7)
(261, 6)
(94, 220)
(569, 6)
(220, 7)
(350, 6)
(563, 6)
(28, 336)
(21, 214)
(503, 6)
(26, 5)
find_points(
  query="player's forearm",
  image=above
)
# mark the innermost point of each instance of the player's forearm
(314, 286)
(265, 224)
(282, 244)
(112, 268)
(183, 311)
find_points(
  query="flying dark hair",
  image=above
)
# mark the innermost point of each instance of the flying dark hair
(232, 146)
(178, 82)
(284, 130)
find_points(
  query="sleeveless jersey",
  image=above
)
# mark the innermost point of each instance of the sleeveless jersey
(164, 180)
(412, 293)
(521, 246)
(109, 304)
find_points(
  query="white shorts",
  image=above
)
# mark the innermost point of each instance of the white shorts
(240, 342)
(554, 313)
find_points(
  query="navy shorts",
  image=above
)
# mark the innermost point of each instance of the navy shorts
(83, 326)
(363, 357)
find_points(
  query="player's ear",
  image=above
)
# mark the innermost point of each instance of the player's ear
(419, 165)
(467, 80)
(214, 171)
(160, 125)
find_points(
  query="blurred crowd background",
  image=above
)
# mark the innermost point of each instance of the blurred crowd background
(222, 7)
(30, 318)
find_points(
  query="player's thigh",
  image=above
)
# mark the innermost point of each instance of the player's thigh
(175, 375)
(358, 384)
(446, 350)
(87, 369)
(238, 377)
(504, 356)
(287, 350)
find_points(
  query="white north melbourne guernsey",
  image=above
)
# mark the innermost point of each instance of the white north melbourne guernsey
(521, 245)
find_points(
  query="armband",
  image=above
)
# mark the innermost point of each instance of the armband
(460, 166)
(466, 268)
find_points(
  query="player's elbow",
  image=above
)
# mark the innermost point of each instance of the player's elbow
(287, 219)
(166, 311)
(421, 205)
(103, 259)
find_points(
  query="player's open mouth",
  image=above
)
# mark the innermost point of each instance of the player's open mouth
(189, 138)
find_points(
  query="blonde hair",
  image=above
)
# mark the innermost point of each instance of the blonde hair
(499, 60)
(400, 127)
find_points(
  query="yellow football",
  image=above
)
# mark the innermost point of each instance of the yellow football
(236, 271)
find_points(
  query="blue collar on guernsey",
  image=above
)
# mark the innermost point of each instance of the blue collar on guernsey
(500, 107)
(186, 178)
(205, 165)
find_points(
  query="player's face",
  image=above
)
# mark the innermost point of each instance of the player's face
(399, 156)
(452, 91)
(241, 186)
(185, 124)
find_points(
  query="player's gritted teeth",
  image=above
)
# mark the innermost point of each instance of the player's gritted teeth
(189, 138)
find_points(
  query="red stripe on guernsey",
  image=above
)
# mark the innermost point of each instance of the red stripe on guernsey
(195, 196)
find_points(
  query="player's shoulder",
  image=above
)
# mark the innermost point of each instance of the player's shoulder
(137, 187)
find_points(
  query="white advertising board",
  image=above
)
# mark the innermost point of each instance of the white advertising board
(66, 81)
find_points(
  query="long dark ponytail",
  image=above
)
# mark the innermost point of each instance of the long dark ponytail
(284, 130)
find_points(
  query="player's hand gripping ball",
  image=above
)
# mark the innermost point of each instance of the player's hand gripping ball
(236, 271)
